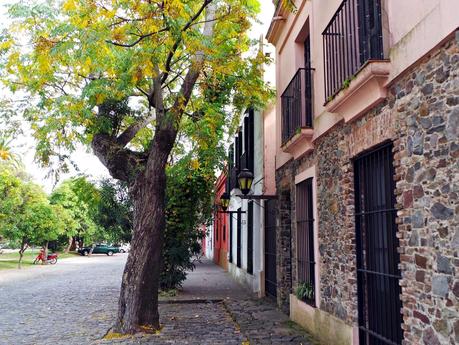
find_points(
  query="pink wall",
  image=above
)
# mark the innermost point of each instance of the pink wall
(269, 148)
(417, 26)
(412, 28)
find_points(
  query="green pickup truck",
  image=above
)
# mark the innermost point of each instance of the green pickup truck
(99, 249)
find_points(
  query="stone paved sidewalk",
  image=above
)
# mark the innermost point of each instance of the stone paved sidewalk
(74, 303)
(213, 309)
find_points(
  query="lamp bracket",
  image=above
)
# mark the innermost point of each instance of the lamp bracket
(258, 197)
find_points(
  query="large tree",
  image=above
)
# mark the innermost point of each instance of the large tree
(123, 76)
(80, 199)
(26, 216)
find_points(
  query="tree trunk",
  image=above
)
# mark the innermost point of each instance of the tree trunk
(67, 249)
(45, 253)
(138, 303)
(21, 252)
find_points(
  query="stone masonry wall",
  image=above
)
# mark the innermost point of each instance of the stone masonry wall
(427, 103)
(421, 117)
(284, 250)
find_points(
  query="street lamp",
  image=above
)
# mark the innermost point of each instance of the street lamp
(245, 179)
(224, 201)
(224, 204)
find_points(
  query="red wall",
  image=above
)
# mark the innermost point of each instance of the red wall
(220, 226)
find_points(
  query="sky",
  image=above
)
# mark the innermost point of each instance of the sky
(87, 163)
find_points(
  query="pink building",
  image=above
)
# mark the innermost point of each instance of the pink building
(367, 169)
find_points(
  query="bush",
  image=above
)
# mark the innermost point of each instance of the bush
(188, 205)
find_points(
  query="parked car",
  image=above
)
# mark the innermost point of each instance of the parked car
(99, 249)
(124, 248)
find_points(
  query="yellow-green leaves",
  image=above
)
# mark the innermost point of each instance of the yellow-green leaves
(71, 57)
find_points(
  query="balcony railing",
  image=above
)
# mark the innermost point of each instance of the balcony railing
(296, 104)
(353, 36)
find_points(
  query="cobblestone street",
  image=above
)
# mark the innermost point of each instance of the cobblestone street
(74, 302)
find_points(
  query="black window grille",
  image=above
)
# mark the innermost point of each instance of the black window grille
(270, 248)
(246, 135)
(376, 243)
(230, 246)
(242, 151)
(353, 36)
(229, 183)
(305, 237)
(296, 101)
(250, 237)
(240, 144)
(238, 239)
(233, 178)
(251, 141)
(224, 232)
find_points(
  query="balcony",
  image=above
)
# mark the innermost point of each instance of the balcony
(296, 103)
(352, 39)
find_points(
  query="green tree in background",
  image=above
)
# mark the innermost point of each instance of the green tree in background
(79, 198)
(115, 213)
(26, 216)
(11, 193)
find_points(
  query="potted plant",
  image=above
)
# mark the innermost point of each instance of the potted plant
(305, 291)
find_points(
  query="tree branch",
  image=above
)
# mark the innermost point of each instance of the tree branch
(196, 66)
(141, 37)
(123, 164)
(129, 133)
(177, 42)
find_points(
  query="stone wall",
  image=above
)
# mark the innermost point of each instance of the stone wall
(427, 103)
(421, 117)
(284, 250)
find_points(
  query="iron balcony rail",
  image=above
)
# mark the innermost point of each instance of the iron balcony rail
(296, 103)
(353, 36)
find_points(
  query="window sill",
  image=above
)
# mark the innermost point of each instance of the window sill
(300, 143)
(364, 92)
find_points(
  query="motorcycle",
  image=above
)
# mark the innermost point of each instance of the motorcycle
(51, 258)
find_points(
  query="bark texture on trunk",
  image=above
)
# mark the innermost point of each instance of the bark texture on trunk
(138, 303)
(70, 242)
(21, 251)
(45, 254)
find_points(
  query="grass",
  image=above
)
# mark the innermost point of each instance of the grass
(10, 260)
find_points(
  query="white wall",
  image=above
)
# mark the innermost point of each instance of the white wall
(210, 242)
(252, 281)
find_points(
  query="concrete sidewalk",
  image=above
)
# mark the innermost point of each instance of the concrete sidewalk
(209, 281)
